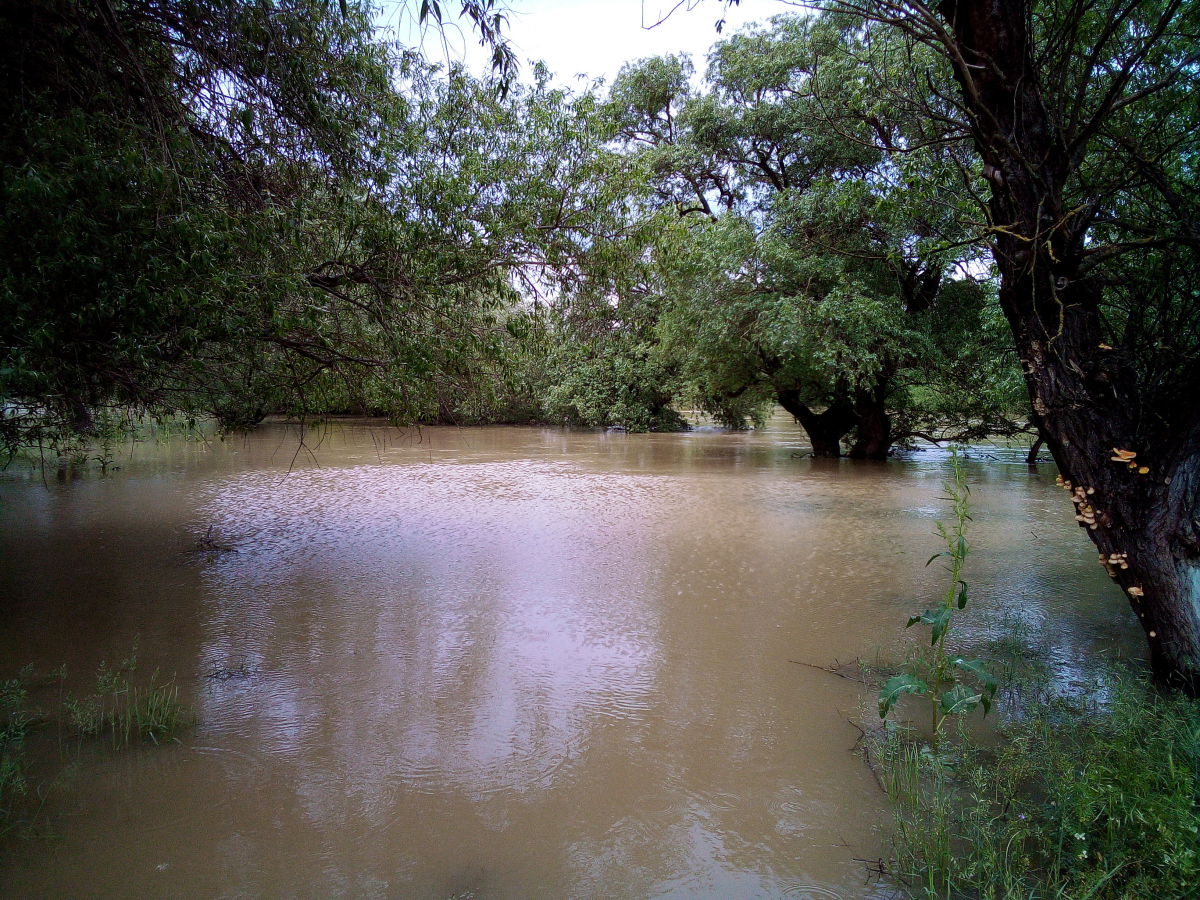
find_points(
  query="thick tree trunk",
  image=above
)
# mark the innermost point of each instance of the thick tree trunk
(825, 430)
(82, 421)
(1135, 484)
(874, 438)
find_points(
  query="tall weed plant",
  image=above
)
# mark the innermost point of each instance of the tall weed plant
(953, 684)
(1093, 796)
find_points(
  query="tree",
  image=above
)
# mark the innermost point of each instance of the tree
(539, 195)
(199, 213)
(831, 293)
(1085, 122)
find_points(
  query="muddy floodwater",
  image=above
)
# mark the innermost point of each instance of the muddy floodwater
(502, 662)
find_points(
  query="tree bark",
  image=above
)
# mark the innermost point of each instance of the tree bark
(1141, 516)
(826, 429)
(874, 438)
(81, 419)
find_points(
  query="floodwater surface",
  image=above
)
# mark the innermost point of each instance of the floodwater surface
(503, 662)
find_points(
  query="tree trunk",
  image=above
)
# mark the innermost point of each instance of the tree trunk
(825, 430)
(1141, 516)
(81, 420)
(1031, 457)
(874, 439)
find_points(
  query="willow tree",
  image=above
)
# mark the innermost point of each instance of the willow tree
(195, 210)
(1085, 121)
(820, 274)
(527, 187)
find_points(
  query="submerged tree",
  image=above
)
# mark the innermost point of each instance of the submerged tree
(823, 278)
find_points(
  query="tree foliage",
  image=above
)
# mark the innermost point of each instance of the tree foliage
(823, 272)
(241, 208)
(1083, 120)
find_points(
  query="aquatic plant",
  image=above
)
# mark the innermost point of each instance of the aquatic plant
(954, 684)
(125, 712)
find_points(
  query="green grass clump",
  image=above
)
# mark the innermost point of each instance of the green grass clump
(124, 712)
(117, 711)
(1092, 798)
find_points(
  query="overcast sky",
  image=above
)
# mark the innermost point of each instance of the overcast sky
(595, 37)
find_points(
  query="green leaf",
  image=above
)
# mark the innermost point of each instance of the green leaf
(932, 558)
(987, 681)
(962, 596)
(985, 678)
(894, 687)
(937, 619)
(939, 624)
(958, 700)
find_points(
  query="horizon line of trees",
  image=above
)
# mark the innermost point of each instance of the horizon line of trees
(242, 209)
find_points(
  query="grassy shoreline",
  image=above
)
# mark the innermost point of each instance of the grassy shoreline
(1088, 796)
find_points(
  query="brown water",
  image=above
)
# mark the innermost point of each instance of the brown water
(500, 663)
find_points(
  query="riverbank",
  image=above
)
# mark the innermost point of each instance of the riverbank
(1083, 795)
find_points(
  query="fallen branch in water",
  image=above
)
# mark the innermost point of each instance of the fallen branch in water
(209, 543)
(840, 669)
(224, 674)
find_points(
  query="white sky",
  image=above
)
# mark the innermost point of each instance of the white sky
(595, 37)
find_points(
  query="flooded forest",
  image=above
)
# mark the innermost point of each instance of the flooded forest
(768, 470)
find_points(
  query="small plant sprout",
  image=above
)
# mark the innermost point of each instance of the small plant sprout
(954, 685)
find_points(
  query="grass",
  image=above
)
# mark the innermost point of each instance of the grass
(1086, 796)
(117, 710)
(1091, 797)
(14, 726)
(125, 713)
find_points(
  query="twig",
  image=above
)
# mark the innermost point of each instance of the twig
(835, 669)
(208, 543)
